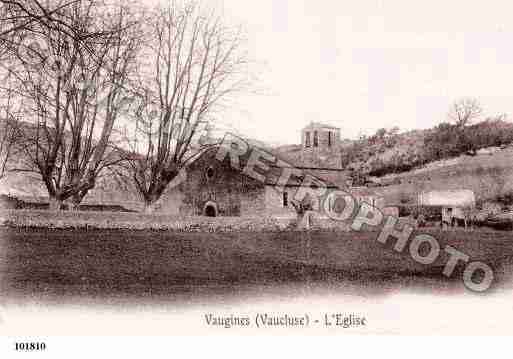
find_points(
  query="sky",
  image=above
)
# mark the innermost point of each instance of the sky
(363, 65)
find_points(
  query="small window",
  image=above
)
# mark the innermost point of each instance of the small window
(285, 199)
(210, 172)
(307, 139)
(329, 138)
(316, 139)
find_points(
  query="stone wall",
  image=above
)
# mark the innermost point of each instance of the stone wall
(274, 202)
(321, 158)
(90, 220)
(253, 203)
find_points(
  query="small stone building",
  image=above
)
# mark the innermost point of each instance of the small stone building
(452, 203)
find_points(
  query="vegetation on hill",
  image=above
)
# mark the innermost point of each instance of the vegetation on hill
(388, 151)
(448, 140)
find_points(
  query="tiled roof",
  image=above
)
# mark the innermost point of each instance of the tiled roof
(274, 172)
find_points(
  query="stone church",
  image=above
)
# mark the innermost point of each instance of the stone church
(214, 188)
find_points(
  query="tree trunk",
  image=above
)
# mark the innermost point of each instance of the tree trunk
(74, 203)
(54, 204)
(149, 207)
(299, 219)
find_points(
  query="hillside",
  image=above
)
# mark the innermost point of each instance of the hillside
(384, 153)
(489, 174)
(390, 152)
(400, 165)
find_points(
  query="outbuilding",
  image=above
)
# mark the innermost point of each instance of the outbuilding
(454, 204)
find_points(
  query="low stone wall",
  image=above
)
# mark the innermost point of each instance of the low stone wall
(139, 221)
(134, 221)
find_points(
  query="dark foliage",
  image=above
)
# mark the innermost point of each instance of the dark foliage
(447, 140)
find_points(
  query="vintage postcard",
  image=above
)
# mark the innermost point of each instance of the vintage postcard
(270, 167)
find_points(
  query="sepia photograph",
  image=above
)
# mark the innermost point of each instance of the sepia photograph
(238, 167)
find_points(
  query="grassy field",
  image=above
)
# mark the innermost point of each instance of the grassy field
(100, 262)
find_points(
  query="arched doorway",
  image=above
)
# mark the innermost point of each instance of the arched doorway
(210, 209)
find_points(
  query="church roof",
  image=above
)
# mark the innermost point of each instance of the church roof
(320, 124)
(275, 171)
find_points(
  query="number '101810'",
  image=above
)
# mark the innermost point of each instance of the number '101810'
(30, 346)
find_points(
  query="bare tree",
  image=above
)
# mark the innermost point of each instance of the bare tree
(73, 91)
(21, 17)
(22, 20)
(464, 111)
(9, 130)
(31, 15)
(196, 63)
